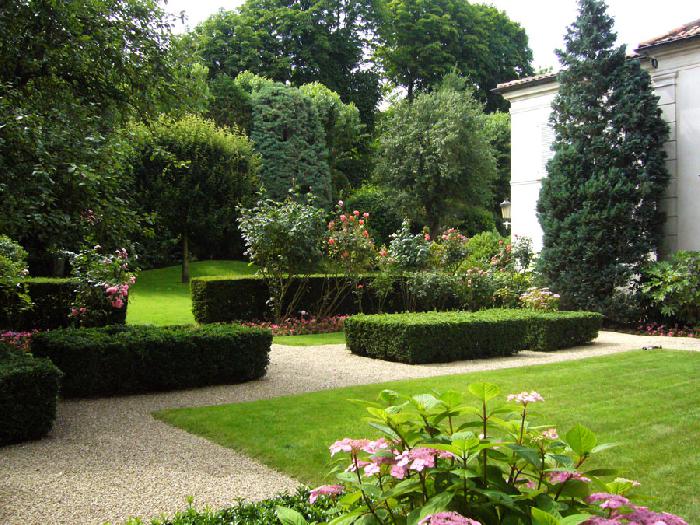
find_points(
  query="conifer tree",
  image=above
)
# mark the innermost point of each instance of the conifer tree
(599, 205)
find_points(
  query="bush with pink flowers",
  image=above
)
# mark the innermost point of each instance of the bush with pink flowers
(441, 461)
(305, 324)
(103, 285)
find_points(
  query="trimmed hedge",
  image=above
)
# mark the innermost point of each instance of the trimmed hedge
(28, 392)
(223, 300)
(437, 337)
(133, 359)
(51, 304)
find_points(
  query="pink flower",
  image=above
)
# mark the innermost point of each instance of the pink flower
(365, 215)
(325, 490)
(372, 469)
(563, 476)
(356, 213)
(73, 312)
(132, 279)
(447, 518)
(111, 290)
(362, 222)
(399, 471)
(348, 445)
(341, 203)
(524, 398)
(117, 303)
(551, 433)
(644, 516)
(343, 218)
(598, 520)
(426, 236)
(331, 241)
(608, 501)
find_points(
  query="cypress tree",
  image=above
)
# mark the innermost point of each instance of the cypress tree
(599, 205)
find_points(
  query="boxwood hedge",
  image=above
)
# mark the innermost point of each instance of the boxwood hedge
(133, 359)
(28, 391)
(434, 337)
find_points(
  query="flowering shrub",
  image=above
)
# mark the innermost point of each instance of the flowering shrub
(350, 244)
(408, 251)
(103, 285)
(304, 325)
(668, 331)
(441, 461)
(449, 250)
(540, 299)
(13, 268)
(19, 340)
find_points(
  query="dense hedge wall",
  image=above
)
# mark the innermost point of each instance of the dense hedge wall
(132, 359)
(221, 300)
(435, 337)
(51, 304)
(28, 392)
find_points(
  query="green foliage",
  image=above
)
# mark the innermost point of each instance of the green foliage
(423, 40)
(600, 205)
(436, 153)
(70, 74)
(13, 267)
(257, 513)
(498, 125)
(289, 137)
(284, 240)
(673, 287)
(132, 359)
(191, 176)
(28, 392)
(482, 248)
(379, 201)
(414, 337)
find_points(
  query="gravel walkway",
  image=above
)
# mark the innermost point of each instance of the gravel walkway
(108, 459)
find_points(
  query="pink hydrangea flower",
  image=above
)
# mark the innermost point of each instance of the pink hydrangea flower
(599, 520)
(325, 490)
(563, 476)
(551, 433)
(524, 398)
(608, 501)
(644, 516)
(447, 518)
(348, 445)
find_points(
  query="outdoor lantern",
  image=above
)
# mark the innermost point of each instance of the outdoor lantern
(505, 210)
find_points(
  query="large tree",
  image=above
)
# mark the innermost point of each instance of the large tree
(70, 74)
(599, 207)
(436, 154)
(423, 40)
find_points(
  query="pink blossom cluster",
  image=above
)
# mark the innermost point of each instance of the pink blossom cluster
(562, 476)
(624, 513)
(20, 340)
(453, 234)
(447, 518)
(116, 294)
(304, 325)
(540, 299)
(77, 312)
(523, 398)
(325, 490)
(550, 433)
(668, 331)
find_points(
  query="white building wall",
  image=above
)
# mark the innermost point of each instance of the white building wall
(677, 82)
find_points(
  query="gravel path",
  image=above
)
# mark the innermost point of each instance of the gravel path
(108, 459)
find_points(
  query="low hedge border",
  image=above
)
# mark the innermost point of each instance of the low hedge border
(28, 392)
(135, 359)
(438, 337)
(52, 299)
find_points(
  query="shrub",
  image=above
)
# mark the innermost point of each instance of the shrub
(381, 204)
(482, 247)
(131, 359)
(435, 337)
(409, 251)
(540, 299)
(673, 287)
(13, 268)
(28, 392)
(495, 467)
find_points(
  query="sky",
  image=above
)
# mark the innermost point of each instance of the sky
(544, 21)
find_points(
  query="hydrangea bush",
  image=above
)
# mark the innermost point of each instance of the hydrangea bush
(103, 284)
(442, 461)
(540, 299)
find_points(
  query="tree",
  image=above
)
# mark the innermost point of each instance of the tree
(192, 176)
(423, 40)
(436, 154)
(289, 137)
(70, 74)
(498, 125)
(298, 42)
(599, 206)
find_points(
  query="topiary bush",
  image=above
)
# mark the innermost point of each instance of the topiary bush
(132, 359)
(435, 337)
(28, 392)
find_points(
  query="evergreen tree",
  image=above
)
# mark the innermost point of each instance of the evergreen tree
(599, 206)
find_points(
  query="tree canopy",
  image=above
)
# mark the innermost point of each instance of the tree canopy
(599, 207)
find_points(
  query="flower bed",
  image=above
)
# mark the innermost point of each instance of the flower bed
(304, 325)
(131, 359)
(434, 337)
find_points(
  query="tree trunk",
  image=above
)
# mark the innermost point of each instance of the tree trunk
(185, 258)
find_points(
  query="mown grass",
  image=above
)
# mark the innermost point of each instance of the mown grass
(332, 338)
(648, 402)
(159, 298)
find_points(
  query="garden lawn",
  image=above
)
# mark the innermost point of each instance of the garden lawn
(648, 402)
(158, 297)
(332, 338)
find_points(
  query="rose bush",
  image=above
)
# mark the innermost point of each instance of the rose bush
(443, 461)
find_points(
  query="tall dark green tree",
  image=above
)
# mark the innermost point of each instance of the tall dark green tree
(423, 40)
(599, 206)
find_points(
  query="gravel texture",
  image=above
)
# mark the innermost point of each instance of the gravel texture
(108, 459)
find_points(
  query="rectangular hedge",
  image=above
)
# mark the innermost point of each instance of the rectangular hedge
(133, 359)
(438, 337)
(223, 300)
(51, 303)
(28, 392)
